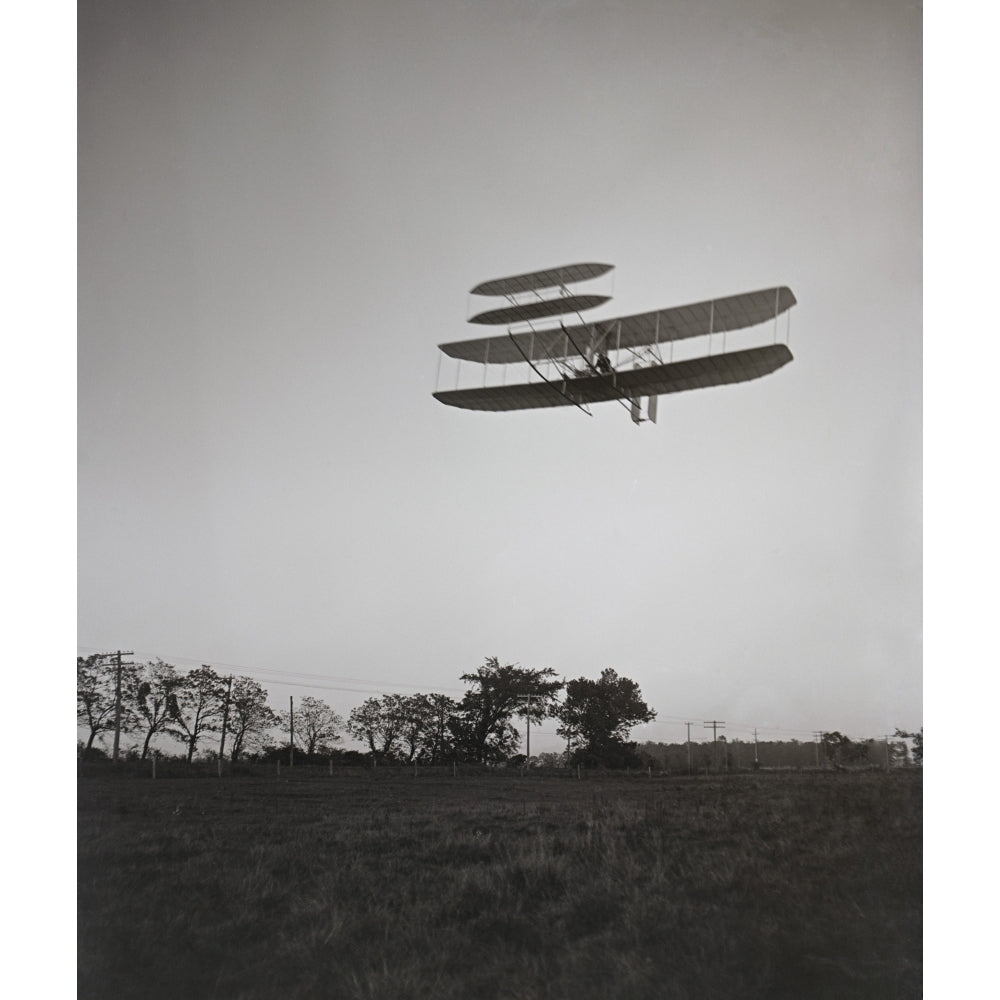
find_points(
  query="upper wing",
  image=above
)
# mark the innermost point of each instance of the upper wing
(678, 323)
(696, 373)
(551, 278)
(540, 309)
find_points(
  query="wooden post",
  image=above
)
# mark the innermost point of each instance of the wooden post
(527, 729)
(118, 705)
(331, 766)
(154, 765)
(225, 720)
(279, 767)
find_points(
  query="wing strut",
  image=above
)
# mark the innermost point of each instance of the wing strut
(555, 385)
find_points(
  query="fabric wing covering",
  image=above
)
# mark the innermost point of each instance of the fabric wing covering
(537, 310)
(696, 373)
(678, 323)
(550, 278)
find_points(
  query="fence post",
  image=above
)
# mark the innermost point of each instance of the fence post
(154, 765)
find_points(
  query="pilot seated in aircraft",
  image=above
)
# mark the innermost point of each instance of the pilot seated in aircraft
(603, 364)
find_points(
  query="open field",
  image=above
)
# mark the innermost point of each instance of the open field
(379, 886)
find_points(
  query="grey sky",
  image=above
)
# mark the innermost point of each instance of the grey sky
(281, 211)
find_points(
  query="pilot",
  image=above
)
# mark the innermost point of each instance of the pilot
(603, 364)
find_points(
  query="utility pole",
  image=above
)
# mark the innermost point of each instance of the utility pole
(887, 758)
(715, 726)
(291, 730)
(527, 731)
(567, 730)
(225, 720)
(527, 736)
(118, 694)
(756, 762)
(440, 745)
(818, 737)
(688, 724)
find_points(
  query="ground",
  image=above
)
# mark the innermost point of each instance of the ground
(384, 885)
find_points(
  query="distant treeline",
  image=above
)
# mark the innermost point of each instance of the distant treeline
(832, 750)
(208, 714)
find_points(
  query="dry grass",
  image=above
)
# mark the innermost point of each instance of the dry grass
(382, 887)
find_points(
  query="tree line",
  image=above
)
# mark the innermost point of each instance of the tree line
(229, 715)
(831, 750)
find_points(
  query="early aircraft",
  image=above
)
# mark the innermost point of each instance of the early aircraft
(574, 363)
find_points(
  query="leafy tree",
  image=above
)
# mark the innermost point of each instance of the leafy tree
(381, 723)
(424, 734)
(195, 707)
(482, 728)
(435, 739)
(918, 743)
(150, 688)
(315, 724)
(250, 717)
(95, 697)
(597, 717)
(841, 751)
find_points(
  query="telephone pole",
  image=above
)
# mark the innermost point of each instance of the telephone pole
(225, 720)
(291, 731)
(527, 731)
(818, 736)
(688, 724)
(715, 725)
(756, 762)
(118, 694)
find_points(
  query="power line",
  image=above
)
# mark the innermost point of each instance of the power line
(378, 685)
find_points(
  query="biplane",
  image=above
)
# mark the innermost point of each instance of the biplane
(609, 359)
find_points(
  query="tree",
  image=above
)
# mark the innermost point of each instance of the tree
(316, 726)
(918, 743)
(95, 697)
(250, 717)
(597, 716)
(149, 689)
(380, 722)
(424, 734)
(482, 727)
(435, 711)
(195, 706)
(841, 751)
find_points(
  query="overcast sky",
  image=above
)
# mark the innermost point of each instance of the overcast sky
(281, 211)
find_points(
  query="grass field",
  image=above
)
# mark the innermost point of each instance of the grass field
(380, 886)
